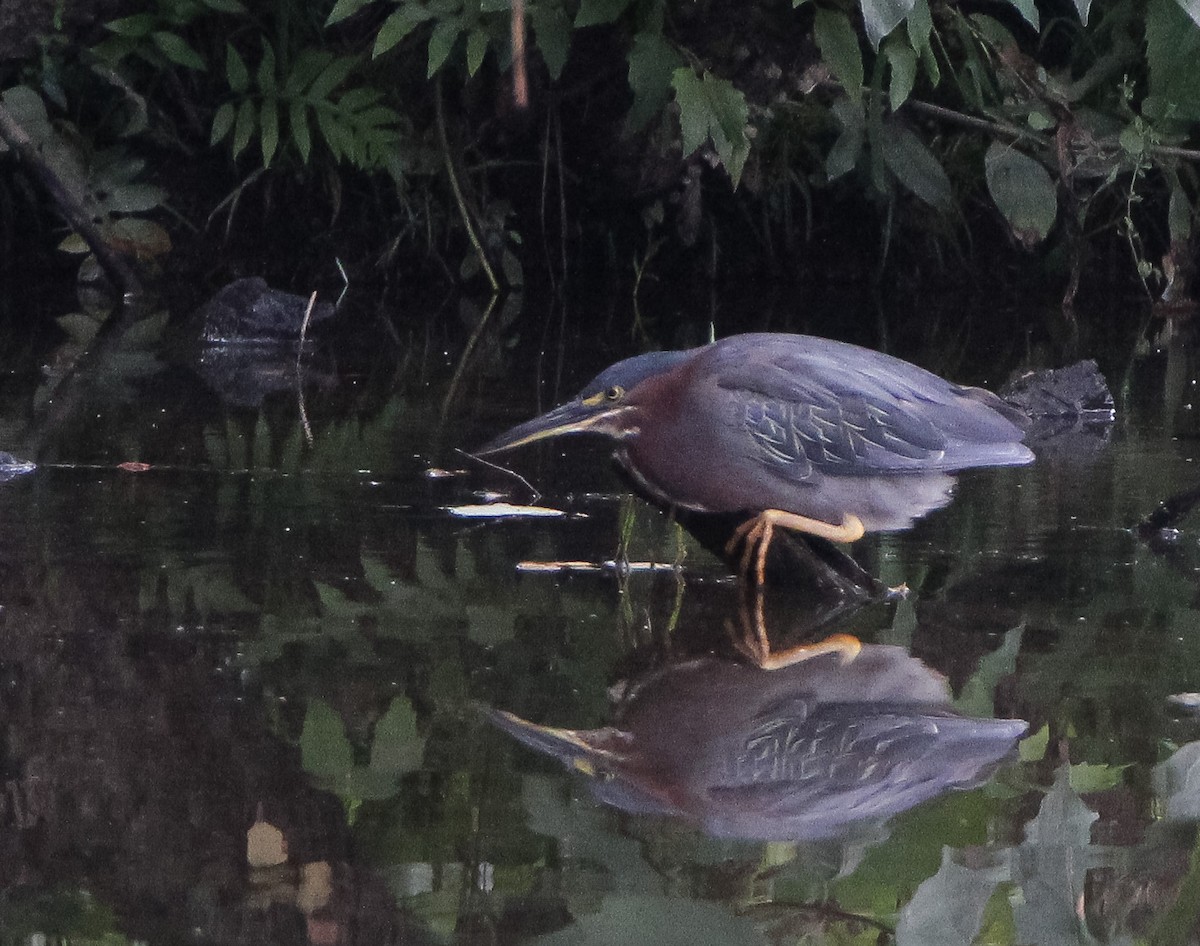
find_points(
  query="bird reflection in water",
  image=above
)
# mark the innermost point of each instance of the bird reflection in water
(817, 750)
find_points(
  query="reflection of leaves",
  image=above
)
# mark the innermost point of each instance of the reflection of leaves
(642, 918)
(324, 749)
(947, 909)
(1051, 866)
(326, 752)
(397, 747)
(976, 698)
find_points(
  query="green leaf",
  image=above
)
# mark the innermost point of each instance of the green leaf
(553, 32)
(839, 49)
(915, 166)
(1023, 191)
(266, 68)
(710, 107)
(243, 128)
(298, 120)
(1083, 7)
(136, 27)
(305, 68)
(920, 26)
(397, 26)
(222, 122)
(397, 747)
(652, 63)
(343, 9)
(1191, 8)
(235, 70)
(1172, 51)
(880, 17)
(177, 50)
(1028, 9)
(441, 42)
(595, 12)
(902, 63)
(269, 118)
(134, 198)
(477, 44)
(324, 749)
(843, 156)
(330, 78)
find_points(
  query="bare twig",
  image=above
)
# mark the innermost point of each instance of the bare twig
(463, 211)
(533, 493)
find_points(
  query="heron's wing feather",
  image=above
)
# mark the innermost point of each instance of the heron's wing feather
(832, 406)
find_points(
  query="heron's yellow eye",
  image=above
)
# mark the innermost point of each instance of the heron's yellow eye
(615, 393)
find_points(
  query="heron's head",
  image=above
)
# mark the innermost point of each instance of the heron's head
(608, 404)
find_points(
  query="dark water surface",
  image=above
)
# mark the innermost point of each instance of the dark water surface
(245, 692)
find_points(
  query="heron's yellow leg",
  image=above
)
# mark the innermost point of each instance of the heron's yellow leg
(756, 533)
(754, 643)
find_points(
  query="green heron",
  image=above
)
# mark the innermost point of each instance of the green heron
(813, 751)
(813, 435)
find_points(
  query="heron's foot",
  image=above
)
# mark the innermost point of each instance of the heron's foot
(755, 647)
(754, 535)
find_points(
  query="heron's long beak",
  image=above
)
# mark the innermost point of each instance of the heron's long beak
(571, 747)
(571, 418)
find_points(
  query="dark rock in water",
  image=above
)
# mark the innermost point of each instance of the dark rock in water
(1070, 409)
(1078, 390)
(11, 467)
(248, 311)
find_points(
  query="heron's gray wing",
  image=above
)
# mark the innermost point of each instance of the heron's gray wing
(839, 408)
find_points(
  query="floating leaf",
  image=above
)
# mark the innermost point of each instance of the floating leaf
(1023, 191)
(914, 165)
(652, 63)
(838, 43)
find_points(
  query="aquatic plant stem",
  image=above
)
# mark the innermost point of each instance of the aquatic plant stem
(459, 201)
